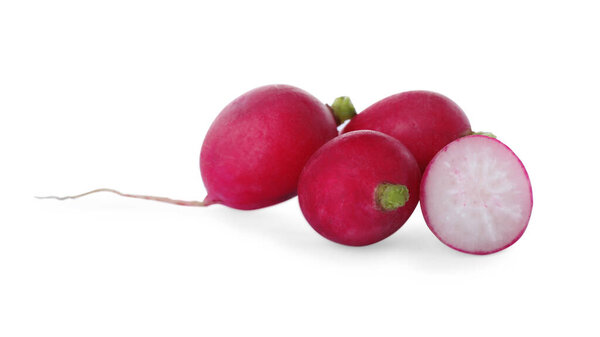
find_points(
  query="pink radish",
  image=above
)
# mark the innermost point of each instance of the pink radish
(359, 188)
(256, 148)
(476, 196)
(423, 121)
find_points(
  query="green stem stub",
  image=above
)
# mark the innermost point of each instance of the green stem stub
(343, 109)
(390, 197)
(482, 133)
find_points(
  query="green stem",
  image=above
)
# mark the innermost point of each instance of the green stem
(342, 109)
(390, 197)
(482, 133)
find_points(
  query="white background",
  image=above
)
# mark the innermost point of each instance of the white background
(121, 93)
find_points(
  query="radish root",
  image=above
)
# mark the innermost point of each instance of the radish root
(204, 203)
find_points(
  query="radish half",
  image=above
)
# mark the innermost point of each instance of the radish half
(476, 195)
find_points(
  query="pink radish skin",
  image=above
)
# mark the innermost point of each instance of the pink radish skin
(255, 150)
(476, 195)
(339, 188)
(424, 121)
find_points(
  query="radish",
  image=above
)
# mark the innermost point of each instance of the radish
(359, 188)
(256, 148)
(423, 121)
(476, 195)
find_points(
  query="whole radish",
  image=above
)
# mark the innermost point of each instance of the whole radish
(476, 195)
(256, 148)
(359, 188)
(424, 121)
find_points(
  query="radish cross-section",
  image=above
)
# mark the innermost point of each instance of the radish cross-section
(476, 195)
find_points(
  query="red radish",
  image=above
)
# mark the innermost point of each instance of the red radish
(476, 196)
(359, 188)
(256, 148)
(423, 121)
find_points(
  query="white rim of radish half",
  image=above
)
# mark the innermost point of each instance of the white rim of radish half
(476, 196)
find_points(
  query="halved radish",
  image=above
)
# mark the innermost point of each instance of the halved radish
(476, 195)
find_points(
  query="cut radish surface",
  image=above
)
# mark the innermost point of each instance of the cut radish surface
(476, 195)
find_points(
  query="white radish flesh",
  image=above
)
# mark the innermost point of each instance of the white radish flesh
(476, 195)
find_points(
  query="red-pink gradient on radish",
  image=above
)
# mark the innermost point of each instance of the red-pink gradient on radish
(423, 121)
(359, 188)
(256, 148)
(476, 195)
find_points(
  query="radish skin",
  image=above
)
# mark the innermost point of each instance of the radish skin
(254, 151)
(359, 188)
(423, 121)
